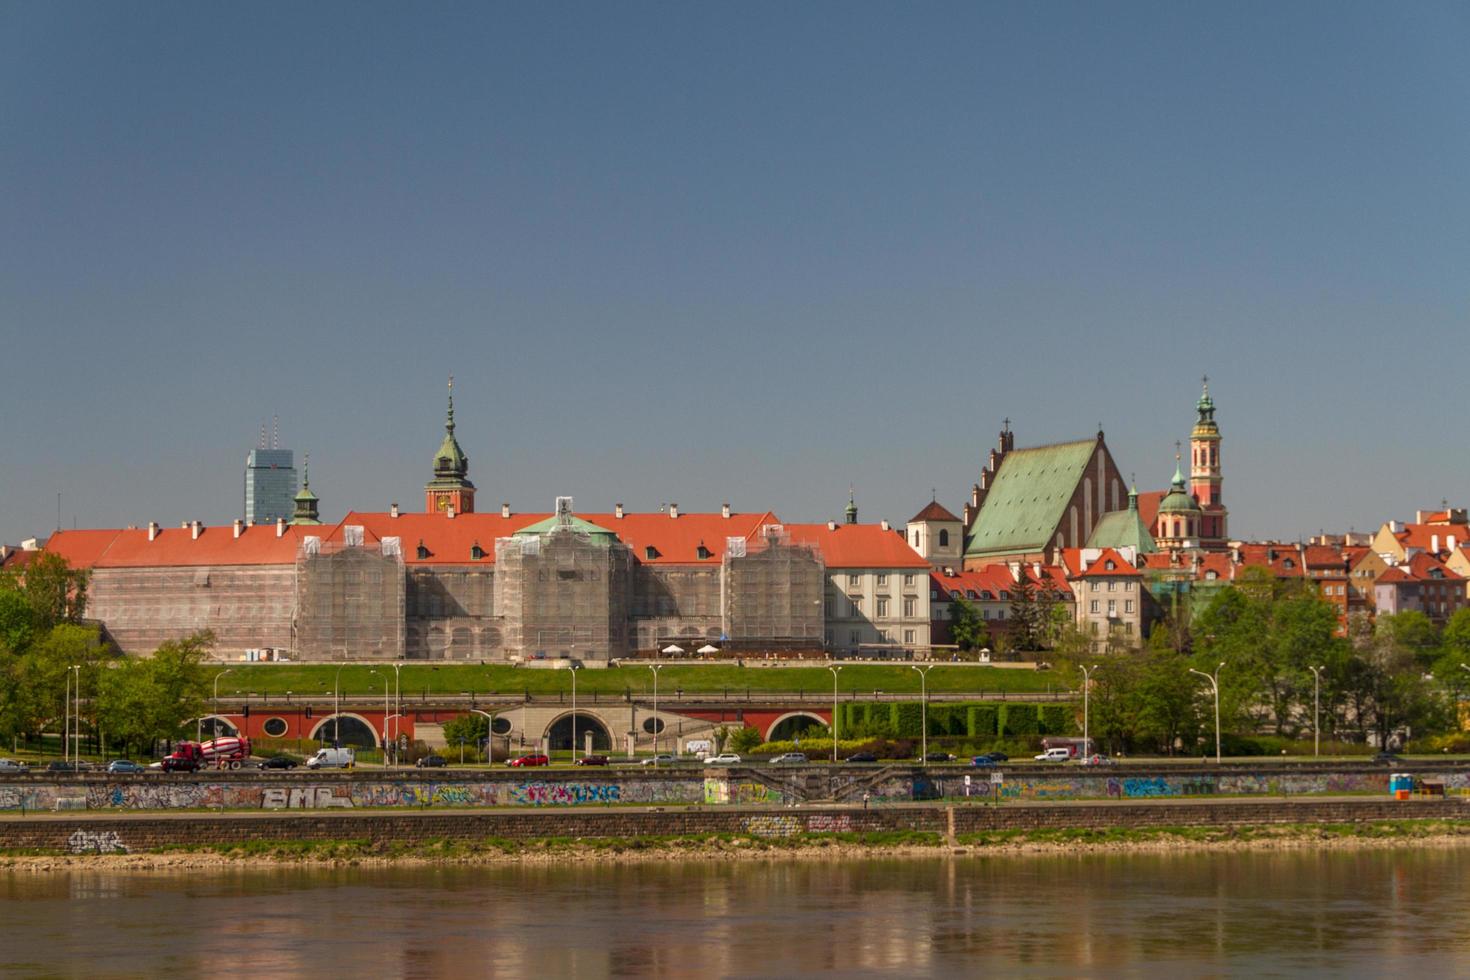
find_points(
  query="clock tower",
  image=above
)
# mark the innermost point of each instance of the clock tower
(451, 487)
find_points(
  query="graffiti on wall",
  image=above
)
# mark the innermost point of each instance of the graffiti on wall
(96, 842)
(304, 798)
(772, 826)
(721, 791)
(829, 823)
(27, 798)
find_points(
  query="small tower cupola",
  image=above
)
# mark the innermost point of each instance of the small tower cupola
(450, 489)
(306, 501)
(851, 511)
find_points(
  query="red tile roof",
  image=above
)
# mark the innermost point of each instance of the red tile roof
(1323, 556)
(1283, 560)
(1433, 537)
(857, 546)
(935, 511)
(1148, 507)
(81, 549)
(175, 547)
(996, 578)
(1072, 561)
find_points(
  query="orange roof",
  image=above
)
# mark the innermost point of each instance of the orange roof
(1423, 566)
(1148, 507)
(1323, 556)
(857, 545)
(81, 549)
(974, 583)
(450, 541)
(174, 547)
(1283, 560)
(1427, 536)
(1217, 562)
(1072, 561)
(934, 511)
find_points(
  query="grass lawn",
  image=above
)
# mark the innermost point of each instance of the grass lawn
(358, 679)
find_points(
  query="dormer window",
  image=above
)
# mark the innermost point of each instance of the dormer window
(1110, 565)
(476, 552)
(970, 594)
(1005, 595)
(1288, 563)
(650, 553)
(422, 551)
(703, 552)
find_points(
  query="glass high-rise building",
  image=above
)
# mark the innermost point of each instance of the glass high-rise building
(270, 485)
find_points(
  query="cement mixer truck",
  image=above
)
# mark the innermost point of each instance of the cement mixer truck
(217, 753)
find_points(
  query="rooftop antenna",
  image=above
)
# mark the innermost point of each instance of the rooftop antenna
(275, 432)
(58, 510)
(263, 443)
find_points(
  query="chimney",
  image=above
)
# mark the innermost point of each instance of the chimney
(393, 510)
(884, 525)
(1449, 543)
(674, 510)
(831, 525)
(1015, 569)
(505, 510)
(280, 527)
(1419, 516)
(949, 571)
(449, 512)
(152, 530)
(1036, 569)
(194, 530)
(1434, 544)
(725, 511)
(239, 527)
(618, 511)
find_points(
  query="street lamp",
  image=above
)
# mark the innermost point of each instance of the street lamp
(77, 714)
(923, 711)
(336, 713)
(574, 668)
(198, 722)
(374, 670)
(1214, 686)
(489, 735)
(1317, 708)
(655, 668)
(835, 671)
(66, 719)
(1086, 691)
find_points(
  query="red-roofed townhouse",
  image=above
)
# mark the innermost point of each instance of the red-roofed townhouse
(1109, 595)
(877, 594)
(1425, 584)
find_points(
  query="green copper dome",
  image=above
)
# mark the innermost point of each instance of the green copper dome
(571, 523)
(1178, 500)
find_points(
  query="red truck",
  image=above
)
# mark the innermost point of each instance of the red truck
(217, 753)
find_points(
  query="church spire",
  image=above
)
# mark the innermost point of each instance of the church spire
(851, 512)
(306, 501)
(450, 487)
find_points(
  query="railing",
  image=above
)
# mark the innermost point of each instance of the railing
(817, 697)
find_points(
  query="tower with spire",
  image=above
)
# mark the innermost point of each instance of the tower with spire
(1205, 474)
(306, 502)
(450, 490)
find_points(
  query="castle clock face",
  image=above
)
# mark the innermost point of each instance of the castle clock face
(443, 503)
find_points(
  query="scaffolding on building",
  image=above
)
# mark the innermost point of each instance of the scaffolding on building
(772, 592)
(350, 598)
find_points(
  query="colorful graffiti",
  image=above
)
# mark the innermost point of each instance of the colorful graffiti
(828, 823)
(304, 798)
(99, 842)
(771, 826)
(722, 791)
(564, 794)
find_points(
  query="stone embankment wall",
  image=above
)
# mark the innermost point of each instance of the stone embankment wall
(125, 833)
(752, 785)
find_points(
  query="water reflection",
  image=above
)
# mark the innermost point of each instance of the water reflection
(1286, 913)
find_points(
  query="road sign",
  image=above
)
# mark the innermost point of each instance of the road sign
(996, 778)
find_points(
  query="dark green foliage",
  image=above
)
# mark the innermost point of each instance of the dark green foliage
(1019, 719)
(983, 719)
(1057, 719)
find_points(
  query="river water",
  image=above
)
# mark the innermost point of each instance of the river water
(1363, 913)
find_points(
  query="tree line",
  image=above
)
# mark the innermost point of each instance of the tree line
(50, 655)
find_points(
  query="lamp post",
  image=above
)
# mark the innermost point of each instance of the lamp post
(489, 734)
(1317, 708)
(76, 716)
(655, 669)
(574, 667)
(336, 713)
(374, 670)
(66, 719)
(198, 724)
(1086, 692)
(1214, 686)
(835, 671)
(397, 711)
(923, 711)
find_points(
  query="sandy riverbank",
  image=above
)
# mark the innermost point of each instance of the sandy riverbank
(361, 854)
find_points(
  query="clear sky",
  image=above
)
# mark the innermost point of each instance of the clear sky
(746, 252)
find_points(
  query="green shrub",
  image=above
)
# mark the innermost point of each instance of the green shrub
(745, 739)
(1018, 719)
(907, 718)
(1057, 719)
(982, 721)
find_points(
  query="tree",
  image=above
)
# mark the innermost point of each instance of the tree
(56, 591)
(745, 740)
(469, 728)
(1027, 629)
(143, 700)
(968, 629)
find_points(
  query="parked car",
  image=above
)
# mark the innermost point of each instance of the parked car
(431, 762)
(983, 761)
(1386, 758)
(529, 760)
(1096, 760)
(11, 767)
(56, 765)
(280, 762)
(790, 759)
(999, 756)
(592, 760)
(342, 758)
(861, 757)
(938, 757)
(662, 759)
(125, 767)
(1055, 755)
(723, 759)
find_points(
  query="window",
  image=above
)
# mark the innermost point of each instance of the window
(970, 594)
(703, 552)
(1000, 614)
(1092, 585)
(943, 538)
(882, 580)
(985, 614)
(1112, 586)
(885, 636)
(476, 552)
(1128, 606)
(1112, 608)
(827, 608)
(908, 580)
(856, 602)
(1127, 629)
(882, 608)
(1127, 586)
(1111, 565)
(1093, 624)
(852, 580)
(908, 637)
(909, 604)
(933, 594)
(854, 637)
(650, 553)
(1094, 607)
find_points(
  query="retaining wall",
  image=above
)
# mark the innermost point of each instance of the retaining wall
(121, 833)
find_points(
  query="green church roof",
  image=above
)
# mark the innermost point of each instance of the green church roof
(1024, 505)
(1123, 529)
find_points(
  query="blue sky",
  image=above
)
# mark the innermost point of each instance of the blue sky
(744, 252)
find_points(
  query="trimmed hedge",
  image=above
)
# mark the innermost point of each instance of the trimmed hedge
(1057, 719)
(982, 720)
(1019, 719)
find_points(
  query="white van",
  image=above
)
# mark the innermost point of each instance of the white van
(1055, 755)
(344, 758)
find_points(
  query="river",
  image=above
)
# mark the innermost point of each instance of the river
(1370, 913)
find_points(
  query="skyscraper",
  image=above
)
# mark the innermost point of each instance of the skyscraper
(270, 482)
